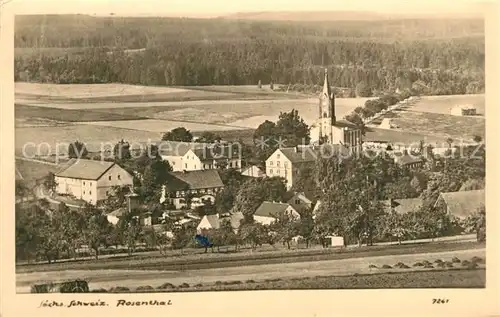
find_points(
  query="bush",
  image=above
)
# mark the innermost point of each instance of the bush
(441, 264)
(275, 279)
(455, 260)
(218, 283)
(399, 264)
(472, 265)
(418, 264)
(438, 261)
(250, 281)
(428, 266)
(198, 285)
(465, 263)
(449, 264)
(404, 266)
(386, 266)
(184, 285)
(166, 286)
(144, 288)
(119, 289)
(477, 259)
(99, 290)
(425, 262)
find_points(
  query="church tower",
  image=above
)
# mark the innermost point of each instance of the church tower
(326, 117)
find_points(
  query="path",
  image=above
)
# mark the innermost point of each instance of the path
(134, 278)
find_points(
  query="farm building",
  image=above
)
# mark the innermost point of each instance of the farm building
(214, 221)
(463, 110)
(183, 156)
(268, 212)
(192, 188)
(286, 162)
(90, 180)
(462, 203)
(302, 201)
(402, 206)
(253, 171)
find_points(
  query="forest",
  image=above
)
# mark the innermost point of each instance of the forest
(382, 55)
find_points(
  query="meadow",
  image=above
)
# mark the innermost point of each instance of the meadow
(443, 104)
(33, 171)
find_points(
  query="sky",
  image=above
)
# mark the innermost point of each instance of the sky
(209, 8)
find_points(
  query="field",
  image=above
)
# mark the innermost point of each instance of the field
(440, 125)
(213, 277)
(32, 171)
(443, 104)
(92, 113)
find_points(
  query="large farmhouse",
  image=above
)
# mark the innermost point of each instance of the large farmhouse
(90, 180)
(190, 189)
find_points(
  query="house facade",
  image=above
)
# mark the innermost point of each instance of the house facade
(210, 222)
(91, 180)
(287, 162)
(184, 156)
(268, 212)
(190, 189)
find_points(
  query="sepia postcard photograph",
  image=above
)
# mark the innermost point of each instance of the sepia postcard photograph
(162, 150)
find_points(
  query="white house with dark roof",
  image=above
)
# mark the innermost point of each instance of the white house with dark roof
(90, 180)
(197, 186)
(286, 162)
(461, 204)
(268, 212)
(192, 156)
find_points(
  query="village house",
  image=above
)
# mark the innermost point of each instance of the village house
(268, 212)
(209, 222)
(253, 171)
(183, 156)
(287, 162)
(190, 189)
(90, 180)
(406, 160)
(301, 201)
(461, 204)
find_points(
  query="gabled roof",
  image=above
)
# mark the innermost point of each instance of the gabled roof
(84, 169)
(310, 153)
(217, 151)
(253, 169)
(464, 203)
(271, 209)
(216, 220)
(403, 206)
(405, 159)
(200, 179)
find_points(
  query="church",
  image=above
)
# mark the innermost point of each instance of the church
(329, 130)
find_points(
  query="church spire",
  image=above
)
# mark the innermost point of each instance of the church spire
(326, 85)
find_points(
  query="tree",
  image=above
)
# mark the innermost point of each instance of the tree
(286, 227)
(358, 121)
(292, 129)
(97, 230)
(49, 182)
(78, 150)
(121, 151)
(209, 137)
(363, 90)
(180, 134)
(253, 233)
(306, 226)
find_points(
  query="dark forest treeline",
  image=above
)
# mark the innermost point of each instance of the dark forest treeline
(182, 52)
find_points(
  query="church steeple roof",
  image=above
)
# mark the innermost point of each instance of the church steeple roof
(326, 85)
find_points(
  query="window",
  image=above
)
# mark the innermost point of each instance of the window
(107, 193)
(271, 163)
(270, 171)
(278, 156)
(286, 164)
(84, 192)
(230, 164)
(297, 201)
(90, 192)
(185, 165)
(278, 163)
(118, 177)
(84, 183)
(109, 177)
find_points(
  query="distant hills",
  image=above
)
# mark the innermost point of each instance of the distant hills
(309, 16)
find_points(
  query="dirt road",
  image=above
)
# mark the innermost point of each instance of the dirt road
(134, 278)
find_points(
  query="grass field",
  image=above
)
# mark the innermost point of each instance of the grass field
(443, 104)
(45, 140)
(423, 279)
(69, 115)
(32, 171)
(200, 260)
(440, 125)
